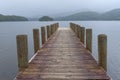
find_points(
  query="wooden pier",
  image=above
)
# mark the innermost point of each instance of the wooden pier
(62, 57)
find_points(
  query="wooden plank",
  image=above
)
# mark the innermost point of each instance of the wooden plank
(63, 57)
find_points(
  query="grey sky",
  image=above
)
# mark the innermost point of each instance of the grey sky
(50, 7)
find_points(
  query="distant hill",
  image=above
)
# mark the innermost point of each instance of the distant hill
(45, 18)
(111, 15)
(12, 18)
(91, 15)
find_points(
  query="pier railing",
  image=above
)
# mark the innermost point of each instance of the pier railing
(102, 42)
(65, 54)
(22, 43)
(48, 31)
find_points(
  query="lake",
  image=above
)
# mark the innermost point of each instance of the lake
(8, 52)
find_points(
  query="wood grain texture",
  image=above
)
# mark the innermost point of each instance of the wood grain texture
(63, 57)
(43, 35)
(22, 50)
(89, 39)
(36, 39)
(102, 50)
(83, 35)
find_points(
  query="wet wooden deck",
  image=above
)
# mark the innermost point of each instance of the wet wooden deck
(63, 57)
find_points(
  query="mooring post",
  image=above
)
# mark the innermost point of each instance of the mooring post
(22, 50)
(70, 26)
(36, 39)
(83, 35)
(51, 29)
(102, 51)
(76, 30)
(57, 25)
(89, 39)
(54, 28)
(73, 27)
(43, 35)
(79, 32)
(48, 32)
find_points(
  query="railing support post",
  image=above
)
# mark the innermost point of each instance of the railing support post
(79, 32)
(102, 50)
(89, 39)
(83, 35)
(48, 32)
(22, 50)
(43, 35)
(36, 40)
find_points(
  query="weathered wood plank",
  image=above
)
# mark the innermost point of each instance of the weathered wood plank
(63, 57)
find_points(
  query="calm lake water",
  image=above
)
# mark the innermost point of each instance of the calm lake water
(9, 30)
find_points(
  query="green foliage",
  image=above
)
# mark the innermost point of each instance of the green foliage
(45, 18)
(12, 18)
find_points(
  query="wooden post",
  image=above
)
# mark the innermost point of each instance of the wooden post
(89, 39)
(76, 30)
(47, 27)
(73, 27)
(22, 50)
(102, 50)
(79, 32)
(49, 31)
(43, 35)
(70, 24)
(57, 25)
(53, 28)
(36, 40)
(83, 35)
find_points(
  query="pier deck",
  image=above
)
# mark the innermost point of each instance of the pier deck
(63, 57)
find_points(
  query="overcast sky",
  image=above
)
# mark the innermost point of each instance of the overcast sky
(30, 8)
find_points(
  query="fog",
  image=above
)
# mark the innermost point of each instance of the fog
(35, 8)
